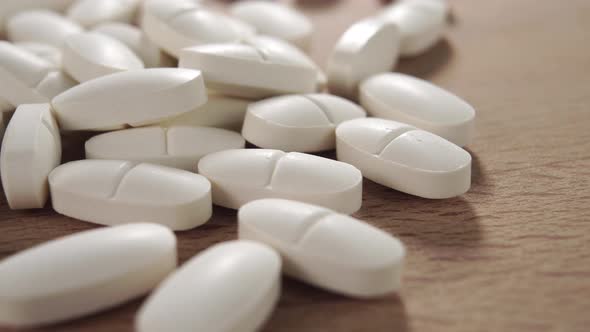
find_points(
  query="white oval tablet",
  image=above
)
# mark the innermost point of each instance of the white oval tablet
(90, 13)
(404, 158)
(174, 25)
(20, 73)
(421, 23)
(326, 249)
(220, 111)
(138, 42)
(84, 273)
(30, 151)
(110, 192)
(54, 84)
(302, 123)
(90, 55)
(368, 47)
(42, 26)
(249, 71)
(277, 20)
(240, 176)
(419, 103)
(9, 8)
(26, 78)
(240, 277)
(48, 52)
(278, 46)
(133, 98)
(177, 146)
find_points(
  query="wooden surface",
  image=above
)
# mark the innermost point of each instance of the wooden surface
(511, 255)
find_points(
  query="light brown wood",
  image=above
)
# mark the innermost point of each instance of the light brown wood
(511, 255)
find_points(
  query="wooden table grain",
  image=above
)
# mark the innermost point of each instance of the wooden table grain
(513, 254)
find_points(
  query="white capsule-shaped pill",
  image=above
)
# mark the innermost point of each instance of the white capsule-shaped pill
(31, 149)
(177, 146)
(421, 23)
(20, 73)
(90, 13)
(47, 52)
(111, 192)
(240, 176)
(41, 26)
(26, 78)
(132, 98)
(274, 45)
(277, 20)
(240, 277)
(419, 103)
(179, 24)
(10, 8)
(220, 111)
(87, 56)
(326, 249)
(54, 84)
(368, 47)
(404, 158)
(138, 42)
(84, 273)
(301, 123)
(245, 70)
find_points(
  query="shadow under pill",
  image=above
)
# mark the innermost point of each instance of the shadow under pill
(428, 64)
(479, 176)
(437, 223)
(315, 4)
(73, 145)
(118, 318)
(303, 308)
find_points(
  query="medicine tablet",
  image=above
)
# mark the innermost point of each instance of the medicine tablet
(326, 249)
(41, 26)
(30, 151)
(238, 277)
(179, 24)
(368, 47)
(138, 42)
(54, 84)
(133, 98)
(404, 158)
(20, 73)
(241, 176)
(277, 20)
(90, 13)
(110, 192)
(47, 52)
(177, 146)
(84, 273)
(248, 71)
(9, 8)
(26, 78)
(419, 103)
(278, 46)
(220, 111)
(90, 55)
(421, 23)
(302, 123)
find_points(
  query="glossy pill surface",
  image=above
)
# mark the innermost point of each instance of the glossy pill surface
(84, 273)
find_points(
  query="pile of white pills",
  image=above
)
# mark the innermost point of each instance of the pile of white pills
(174, 91)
